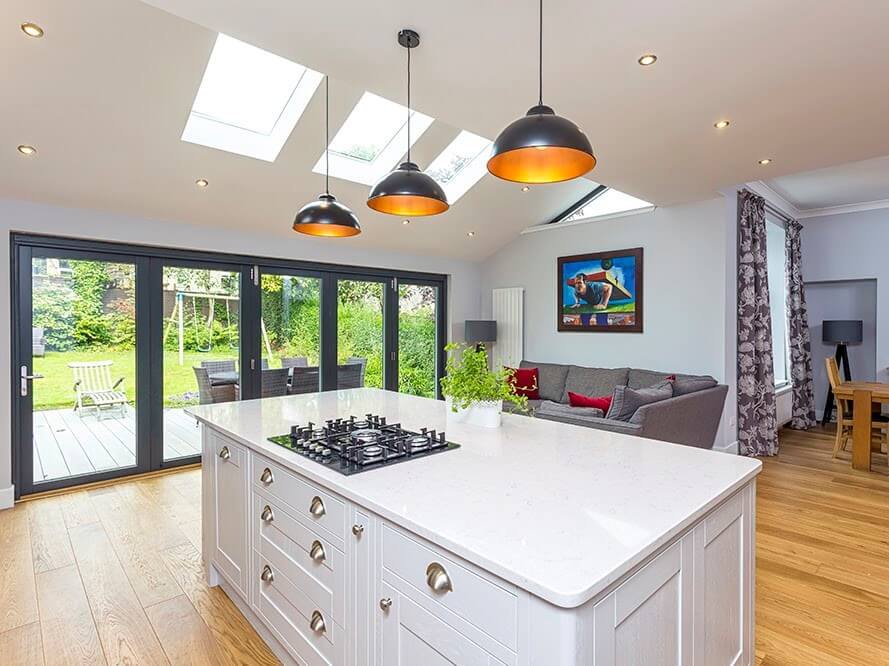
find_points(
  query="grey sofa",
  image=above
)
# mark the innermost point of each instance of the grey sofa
(690, 417)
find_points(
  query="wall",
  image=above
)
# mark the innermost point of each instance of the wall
(463, 293)
(686, 291)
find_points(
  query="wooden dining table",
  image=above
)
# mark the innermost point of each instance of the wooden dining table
(863, 396)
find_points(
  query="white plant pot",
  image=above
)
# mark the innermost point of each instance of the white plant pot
(482, 414)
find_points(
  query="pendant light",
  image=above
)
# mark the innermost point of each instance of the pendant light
(541, 147)
(326, 216)
(407, 191)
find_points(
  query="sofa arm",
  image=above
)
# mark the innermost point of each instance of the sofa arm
(691, 419)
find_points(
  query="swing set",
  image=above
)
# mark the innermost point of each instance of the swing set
(177, 318)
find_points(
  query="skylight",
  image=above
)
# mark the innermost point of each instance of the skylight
(461, 164)
(372, 140)
(249, 100)
(609, 202)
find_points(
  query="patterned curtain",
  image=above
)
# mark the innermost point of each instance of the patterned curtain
(757, 418)
(798, 328)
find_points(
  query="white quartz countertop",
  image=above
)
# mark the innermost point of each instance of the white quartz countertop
(558, 510)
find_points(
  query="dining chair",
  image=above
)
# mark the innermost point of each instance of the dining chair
(208, 393)
(294, 362)
(349, 375)
(304, 379)
(362, 361)
(879, 423)
(227, 365)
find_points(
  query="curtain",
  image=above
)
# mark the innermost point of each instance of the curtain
(757, 418)
(798, 329)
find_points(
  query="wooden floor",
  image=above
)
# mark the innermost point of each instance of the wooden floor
(113, 575)
(67, 445)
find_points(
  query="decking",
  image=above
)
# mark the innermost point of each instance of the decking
(67, 445)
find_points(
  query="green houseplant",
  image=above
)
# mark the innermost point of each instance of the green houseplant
(474, 392)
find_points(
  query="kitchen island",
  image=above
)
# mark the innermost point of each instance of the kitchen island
(535, 543)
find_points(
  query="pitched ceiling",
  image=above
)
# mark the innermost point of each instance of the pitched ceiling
(105, 95)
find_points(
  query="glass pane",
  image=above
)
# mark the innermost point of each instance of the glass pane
(775, 237)
(201, 339)
(360, 333)
(417, 347)
(609, 202)
(291, 330)
(84, 345)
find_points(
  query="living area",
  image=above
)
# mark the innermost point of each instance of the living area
(323, 350)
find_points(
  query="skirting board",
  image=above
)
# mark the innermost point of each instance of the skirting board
(7, 497)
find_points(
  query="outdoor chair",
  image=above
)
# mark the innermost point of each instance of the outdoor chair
(294, 362)
(94, 387)
(209, 394)
(349, 375)
(274, 383)
(359, 360)
(38, 341)
(304, 380)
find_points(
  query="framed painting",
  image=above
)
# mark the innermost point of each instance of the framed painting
(600, 291)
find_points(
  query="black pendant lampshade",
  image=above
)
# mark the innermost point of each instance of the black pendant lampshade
(407, 191)
(541, 147)
(326, 216)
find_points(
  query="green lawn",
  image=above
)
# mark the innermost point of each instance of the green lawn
(56, 390)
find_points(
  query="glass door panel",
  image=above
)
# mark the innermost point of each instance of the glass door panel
(201, 343)
(360, 333)
(418, 348)
(291, 333)
(80, 387)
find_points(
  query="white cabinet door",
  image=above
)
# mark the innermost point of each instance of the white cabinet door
(411, 636)
(647, 620)
(228, 464)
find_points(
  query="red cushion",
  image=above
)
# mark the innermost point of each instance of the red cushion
(525, 382)
(579, 400)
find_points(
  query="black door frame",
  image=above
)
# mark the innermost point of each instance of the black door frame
(149, 404)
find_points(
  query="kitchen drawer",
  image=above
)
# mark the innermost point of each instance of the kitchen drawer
(309, 503)
(288, 612)
(488, 606)
(287, 544)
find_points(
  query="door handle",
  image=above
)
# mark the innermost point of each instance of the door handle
(25, 378)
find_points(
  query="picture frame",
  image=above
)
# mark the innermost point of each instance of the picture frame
(600, 292)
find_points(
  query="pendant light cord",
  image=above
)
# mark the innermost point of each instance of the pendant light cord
(408, 103)
(540, 60)
(327, 134)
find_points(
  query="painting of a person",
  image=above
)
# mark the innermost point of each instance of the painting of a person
(593, 293)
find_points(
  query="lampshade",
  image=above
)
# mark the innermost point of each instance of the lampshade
(480, 331)
(408, 192)
(326, 217)
(541, 147)
(842, 330)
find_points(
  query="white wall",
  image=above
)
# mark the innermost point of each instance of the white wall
(463, 286)
(686, 291)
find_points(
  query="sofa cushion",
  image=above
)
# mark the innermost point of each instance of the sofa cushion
(627, 400)
(525, 381)
(557, 409)
(593, 381)
(688, 384)
(602, 402)
(551, 379)
(646, 378)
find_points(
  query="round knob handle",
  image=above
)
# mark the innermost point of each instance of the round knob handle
(224, 453)
(316, 508)
(267, 575)
(267, 514)
(267, 476)
(385, 604)
(317, 552)
(357, 529)
(316, 624)
(437, 579)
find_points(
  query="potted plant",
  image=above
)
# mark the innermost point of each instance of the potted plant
(473, 392)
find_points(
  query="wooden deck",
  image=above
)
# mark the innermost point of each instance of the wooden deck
(67, 445)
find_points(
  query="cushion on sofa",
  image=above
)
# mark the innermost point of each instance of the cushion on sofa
(593, 381)
(627, 400)
(525, 381)
(602, 402)
(550, 379)
(689, 384)
(557, 409)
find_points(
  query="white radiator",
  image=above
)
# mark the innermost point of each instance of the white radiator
(508, 311)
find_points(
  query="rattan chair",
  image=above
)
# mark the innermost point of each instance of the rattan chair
(294, 362)
(363, 363)
(349, 375)
(227, 365)
(209, 394)
(274, 382)
(304, 380)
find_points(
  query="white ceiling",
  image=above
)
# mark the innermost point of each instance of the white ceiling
(865, 182)
(105, 95)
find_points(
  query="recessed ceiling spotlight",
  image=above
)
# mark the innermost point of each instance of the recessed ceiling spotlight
(648, 59)
(406, 222)
(525, 188)
(25, 149)
(721, 124)
(470, 233)
(32, 30)
(202, 182)
(764, 161)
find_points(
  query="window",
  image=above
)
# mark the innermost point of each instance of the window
(461, 164)
(775, 236)
(607, 202)
(372, 140)
(249, 100)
